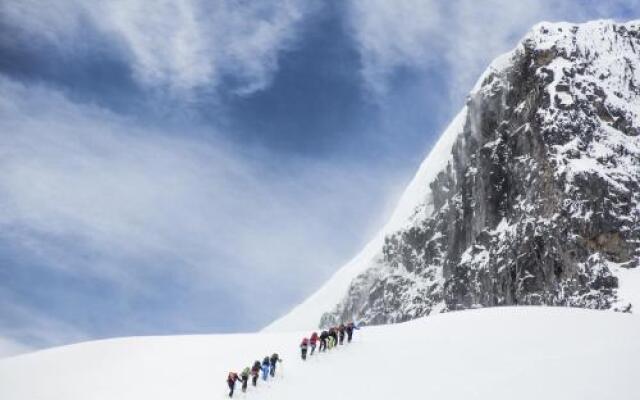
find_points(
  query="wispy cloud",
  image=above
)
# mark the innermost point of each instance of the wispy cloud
(177, 46)
(25, 329)
(98, 196)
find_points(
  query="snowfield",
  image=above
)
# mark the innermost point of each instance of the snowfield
(496, 353)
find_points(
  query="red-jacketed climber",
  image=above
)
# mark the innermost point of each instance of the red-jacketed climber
(255, 372)
(303, 348)
(232, 378)
(313, 341)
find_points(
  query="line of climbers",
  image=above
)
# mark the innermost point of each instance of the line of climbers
(267, 367)
(327, 339)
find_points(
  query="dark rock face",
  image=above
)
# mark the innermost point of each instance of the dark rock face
(540, 201)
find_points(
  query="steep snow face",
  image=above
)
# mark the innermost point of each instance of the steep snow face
(499, 354)
(532, 195)
(414, 203)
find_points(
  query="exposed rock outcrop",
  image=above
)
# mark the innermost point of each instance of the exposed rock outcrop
(539, 202)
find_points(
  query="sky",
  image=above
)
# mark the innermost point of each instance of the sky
(199, 166)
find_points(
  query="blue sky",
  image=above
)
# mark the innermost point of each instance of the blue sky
(203, 166)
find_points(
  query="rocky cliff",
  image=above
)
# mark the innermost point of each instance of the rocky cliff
(539, 200)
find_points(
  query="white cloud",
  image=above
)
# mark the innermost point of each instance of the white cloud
(393, 34)
(33, 20)
(33, 327)
(166, 41)
(175, 45)
(80, 183)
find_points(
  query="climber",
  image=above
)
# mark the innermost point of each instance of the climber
(255, 372)
(333, 332)
(341, 334)
(330, 342)
(303, 348)
(349, 329)
(323, 341)
(244, 377)
(266, 365)
(273, 361)
(313, 341)
(232, 378)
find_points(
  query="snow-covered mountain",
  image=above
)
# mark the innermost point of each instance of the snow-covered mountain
(531, 196)
(500, 354)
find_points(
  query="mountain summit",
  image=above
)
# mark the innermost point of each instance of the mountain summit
(530, 197)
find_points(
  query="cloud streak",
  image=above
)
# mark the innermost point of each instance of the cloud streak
(99, 196)
(174, 46)
(25, 329)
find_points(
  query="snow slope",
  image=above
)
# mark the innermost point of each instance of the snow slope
(9, 348)
(499, 353)
(308, 313)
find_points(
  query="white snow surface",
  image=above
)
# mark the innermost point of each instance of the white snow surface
(499, 353)
(414, 201)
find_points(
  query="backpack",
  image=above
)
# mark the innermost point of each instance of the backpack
(232, 376)
(245, 372)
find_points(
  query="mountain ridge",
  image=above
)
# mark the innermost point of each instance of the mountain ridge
(539, 136)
